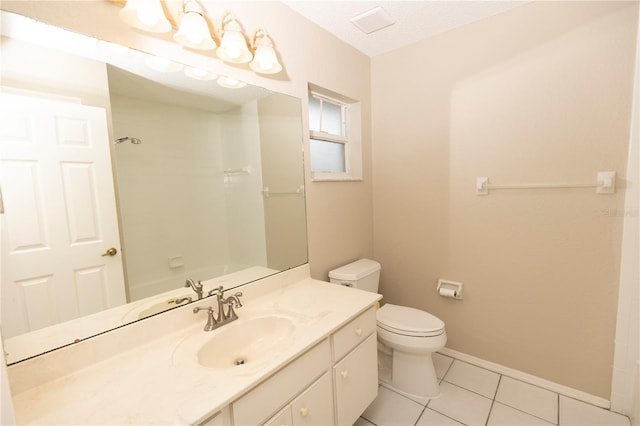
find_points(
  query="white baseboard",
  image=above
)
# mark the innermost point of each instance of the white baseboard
(528, 378)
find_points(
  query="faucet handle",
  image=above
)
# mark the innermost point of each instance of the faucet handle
(211, 321)
(218, 290)
(237, 296)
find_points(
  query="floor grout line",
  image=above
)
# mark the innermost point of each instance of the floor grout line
(493, 401)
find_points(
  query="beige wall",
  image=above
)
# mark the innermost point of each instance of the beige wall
(538, 94)
(339, 215)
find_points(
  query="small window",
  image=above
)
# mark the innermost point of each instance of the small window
(334, 152)
(327, 156)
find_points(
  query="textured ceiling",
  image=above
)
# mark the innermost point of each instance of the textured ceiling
(415, 20)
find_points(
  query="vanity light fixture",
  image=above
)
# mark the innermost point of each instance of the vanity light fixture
(231, 83)
(145, 15)
(264, 60)
(194, 30)
(233, 46)
(199, 73)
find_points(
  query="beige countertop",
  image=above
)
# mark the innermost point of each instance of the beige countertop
(161, 381)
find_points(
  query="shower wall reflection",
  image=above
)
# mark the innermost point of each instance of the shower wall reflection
(178, 173)
(208, 165)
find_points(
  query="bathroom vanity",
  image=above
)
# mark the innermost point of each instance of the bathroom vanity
(308, 350)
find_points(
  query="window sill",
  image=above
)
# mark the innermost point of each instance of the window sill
(334, 177)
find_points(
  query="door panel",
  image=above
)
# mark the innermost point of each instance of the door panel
(60, 214)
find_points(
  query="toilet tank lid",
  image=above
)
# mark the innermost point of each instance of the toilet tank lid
(355, 270)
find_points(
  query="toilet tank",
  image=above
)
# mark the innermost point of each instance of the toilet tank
(363, 274)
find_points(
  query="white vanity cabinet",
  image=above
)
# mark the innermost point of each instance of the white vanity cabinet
(313, 407)
(332, 383)
(355, 372)
(299, 385)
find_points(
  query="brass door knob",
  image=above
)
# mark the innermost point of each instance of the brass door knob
(110, 252)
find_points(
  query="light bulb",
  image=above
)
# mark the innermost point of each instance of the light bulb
(194, 31)
(265, 60)
(266, 64)
(232, 52)
(233, 46)
(147, 17)
(195, 38)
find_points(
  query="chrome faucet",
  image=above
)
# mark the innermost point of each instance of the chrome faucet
(219, 292)
(197, 287)
(222, 318)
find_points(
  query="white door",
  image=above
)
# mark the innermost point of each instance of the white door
(59, 214)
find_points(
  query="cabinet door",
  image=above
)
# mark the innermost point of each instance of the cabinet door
(221, 418)
(315, 405)
(283, 418)
(267, 398)
(356, 379)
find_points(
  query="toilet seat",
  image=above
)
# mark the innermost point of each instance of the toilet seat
(409, 321)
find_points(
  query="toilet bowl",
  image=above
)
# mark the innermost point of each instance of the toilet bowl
(406, 337)
(409, 336)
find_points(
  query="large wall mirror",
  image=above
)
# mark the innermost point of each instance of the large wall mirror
(124, 175)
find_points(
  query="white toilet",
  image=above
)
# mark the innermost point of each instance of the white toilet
(406, 337)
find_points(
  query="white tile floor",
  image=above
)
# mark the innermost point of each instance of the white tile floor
(475, 396)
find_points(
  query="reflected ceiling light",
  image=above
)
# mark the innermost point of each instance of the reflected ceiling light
(145, 15)
(194, 30)
(162, 64)
(233, 46)
(265, 60)
(231, 83)
(199, 73)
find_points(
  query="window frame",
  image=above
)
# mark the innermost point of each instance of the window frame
(350, 138)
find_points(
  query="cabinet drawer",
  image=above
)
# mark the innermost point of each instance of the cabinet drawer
(356, 381)
(262, 402)
(353, 333)
(315, 405)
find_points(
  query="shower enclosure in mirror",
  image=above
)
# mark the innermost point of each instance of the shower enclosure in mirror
(122, 180)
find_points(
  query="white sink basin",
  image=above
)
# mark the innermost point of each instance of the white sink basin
(246, 342)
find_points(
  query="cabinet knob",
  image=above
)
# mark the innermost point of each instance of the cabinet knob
(304, 411)
(358, 331)
(344, 374)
